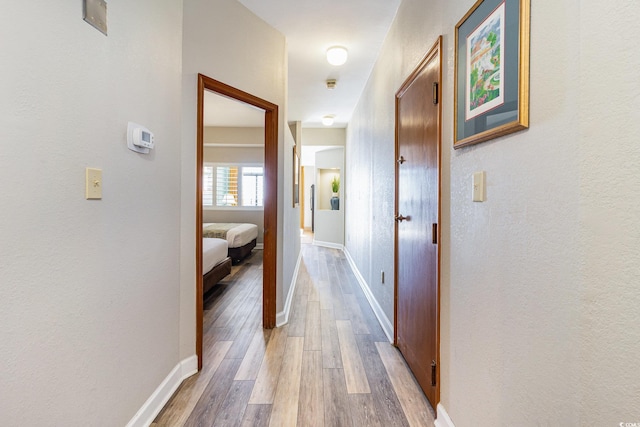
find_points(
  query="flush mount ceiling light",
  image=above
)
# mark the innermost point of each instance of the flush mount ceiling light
(327, 120)
(337, 55)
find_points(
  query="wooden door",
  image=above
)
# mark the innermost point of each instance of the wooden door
(418, 121)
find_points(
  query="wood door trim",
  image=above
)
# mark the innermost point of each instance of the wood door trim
(270, 197)
(435, 51)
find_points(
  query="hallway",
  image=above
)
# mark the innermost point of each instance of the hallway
(331, 365)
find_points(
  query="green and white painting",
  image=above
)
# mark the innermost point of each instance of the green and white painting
(485, 65)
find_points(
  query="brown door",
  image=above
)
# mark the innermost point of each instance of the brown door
(417, 213)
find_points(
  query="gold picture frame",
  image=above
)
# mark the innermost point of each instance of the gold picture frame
(491, 77)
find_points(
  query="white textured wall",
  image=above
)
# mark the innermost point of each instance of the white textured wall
(539, 283)
(289, 235)
(89, 290)
(226, 42)
(514, 264)
(609, 212)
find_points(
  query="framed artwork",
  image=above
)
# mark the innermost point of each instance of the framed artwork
(491, 83)
(296, 177)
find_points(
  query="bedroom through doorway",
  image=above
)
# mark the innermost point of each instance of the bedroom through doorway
(236, 196)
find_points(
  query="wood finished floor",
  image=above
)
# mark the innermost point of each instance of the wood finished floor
(331, 365)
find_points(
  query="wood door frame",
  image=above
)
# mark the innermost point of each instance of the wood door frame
(302, 196)
(270, 198)
(435, 51)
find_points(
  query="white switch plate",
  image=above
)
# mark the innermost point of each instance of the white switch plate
(93, 184)
(478, 187)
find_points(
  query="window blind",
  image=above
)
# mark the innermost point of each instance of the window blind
(227, 185)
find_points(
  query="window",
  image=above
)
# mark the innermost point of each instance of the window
(230, 186)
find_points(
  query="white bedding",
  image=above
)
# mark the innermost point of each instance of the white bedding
(239, 235)
(213, 251)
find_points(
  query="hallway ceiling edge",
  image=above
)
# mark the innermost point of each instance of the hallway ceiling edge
(312, 26)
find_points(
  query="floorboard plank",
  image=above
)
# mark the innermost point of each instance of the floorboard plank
(251, 362)
(313, 332)
(336, 402)
(358, 322)
(226, 292)
(363, 411)
(188, 396)
(241, 303)
(232, 409)
(337, 299)
(331, 357)
(216, 392)
(256, 416)
(175, 411)
(414, 403)
(311, 403)
(354, 371)
(313, 286)
(324, 294)
(284, 412)
(247, 327)
(267, 380)
(382, 392)
(298, 316)
(375, 330)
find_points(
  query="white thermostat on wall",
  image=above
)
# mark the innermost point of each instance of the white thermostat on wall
(139, 138)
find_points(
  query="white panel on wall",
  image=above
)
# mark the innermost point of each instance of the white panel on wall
(329, 223)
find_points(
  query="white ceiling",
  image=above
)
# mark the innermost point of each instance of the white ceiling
(311, 26)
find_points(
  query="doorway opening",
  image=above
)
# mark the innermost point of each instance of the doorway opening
(270, 200)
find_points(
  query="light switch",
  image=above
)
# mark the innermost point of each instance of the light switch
(479, 188)
(93, 185)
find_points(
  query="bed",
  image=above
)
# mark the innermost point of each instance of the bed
(241, 238)
(215, 262)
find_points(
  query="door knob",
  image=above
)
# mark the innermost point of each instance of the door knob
(401, 218)
(401, 160)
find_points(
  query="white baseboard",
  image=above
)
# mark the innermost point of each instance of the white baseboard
(259, 246)
(282, 318)
(387, 326)
(328, 244)
(443, 419)
(152, 407)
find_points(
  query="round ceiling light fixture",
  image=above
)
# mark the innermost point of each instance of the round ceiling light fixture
(337, 55)
(327, 120)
